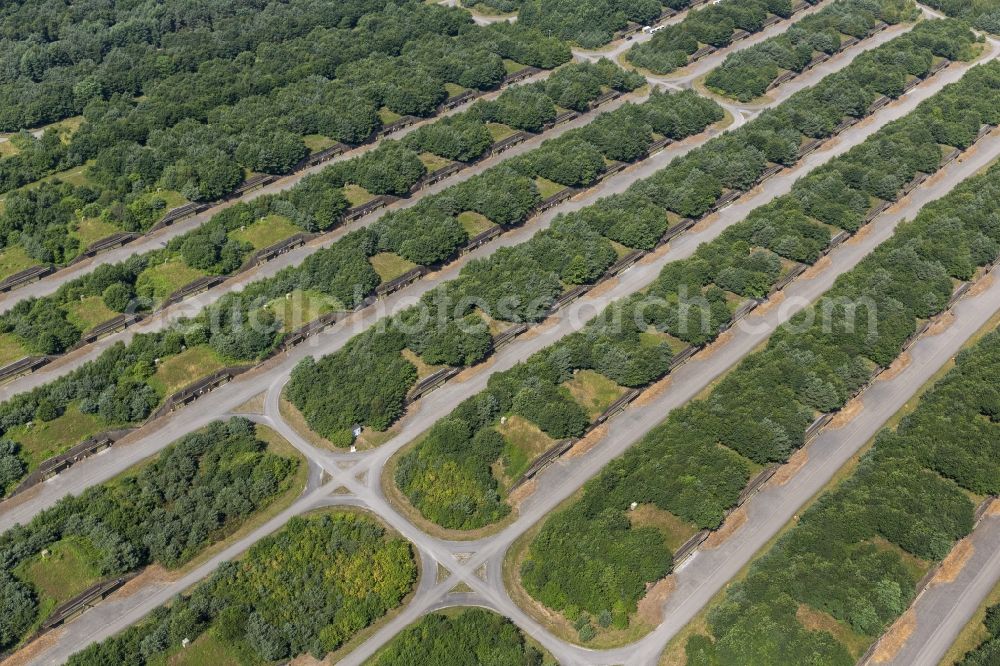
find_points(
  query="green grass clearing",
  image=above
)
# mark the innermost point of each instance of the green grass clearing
(548, 188)
(170, 198)
(87, 313)
(209, 649)
(160, 281)
(454, 90)
(317, 142)
(674, 530)
(301, 307)
(474, 223)
(424, 369)
(11, 349)
(512, 66)
(76, 176)
(92, 230)
(8, 149)
(266, 231)
(390, 265)
(593, 391)
(66, 127)
(357, 195)
(176, 372)
(387, 116)
(67, 570)
(652, 338)
(14, 260)
(523, 442)
(499, 131)
(44, 440)
(433, 162)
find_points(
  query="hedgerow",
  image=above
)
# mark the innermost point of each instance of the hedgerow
(690, 301)
(307, 589)
(196, 492)
(909, 497)
(746, 74)
(760, 411)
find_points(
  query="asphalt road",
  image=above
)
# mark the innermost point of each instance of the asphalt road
(51, 283)
(944, 609)
(478, 563)
(194, 305)
(228, 397)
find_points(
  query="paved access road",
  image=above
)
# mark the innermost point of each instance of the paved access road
(50, 285)
(478, 563)
(159, 239)
(228, 397)
(191, 307)
(944, 609)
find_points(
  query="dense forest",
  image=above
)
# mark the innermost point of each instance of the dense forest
(214, 106)
(120, 386)
(518, 283)
(509, 286)
(193, 494)
(849, 555)
(525, 280)
(714, 25)
(590, 23)
(47, 325)
(983, 14)
(472, 636)
(696, 463)
(987, 652)
(450, 475)
(746, 74)
(307, 589)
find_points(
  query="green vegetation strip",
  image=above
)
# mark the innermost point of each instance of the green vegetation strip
(748, 73)
(126, 383)
(988, 650)
(195, 493)
(458, 474)
(590, 559)
(169, 117)
(850, 565)
(222, 245)
(714, 26)
(467, 636)
(982, 14)
(305, 590)
(521, 284)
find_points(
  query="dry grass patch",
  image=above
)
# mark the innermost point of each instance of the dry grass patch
(733, 522)
(817, 620)
(787, 471)
(953, 564)
(894, 639)
(593, 391)
(424, 369)
(847, 414)
(675, 530)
